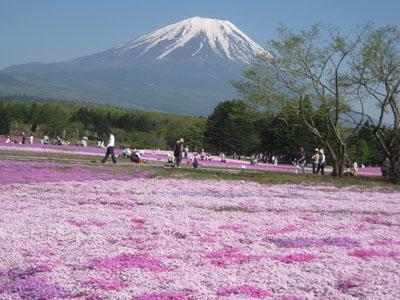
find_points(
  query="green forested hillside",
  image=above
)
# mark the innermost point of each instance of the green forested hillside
(75, 120)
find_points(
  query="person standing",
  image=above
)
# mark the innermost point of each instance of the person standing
(23, 138)
(222, 156)
(110, 149)
(186, 151)
(301, 160)
(321, 162)
(178, 149)
(315, 159)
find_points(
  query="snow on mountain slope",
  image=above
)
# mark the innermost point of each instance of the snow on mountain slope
(221, 37)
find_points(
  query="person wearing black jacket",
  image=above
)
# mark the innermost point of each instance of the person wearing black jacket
(302, 160)
(178, 149)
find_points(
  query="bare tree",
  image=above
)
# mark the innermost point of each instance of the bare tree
(376, 70)
(309, 72)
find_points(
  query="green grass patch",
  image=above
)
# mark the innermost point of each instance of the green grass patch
(270, 177)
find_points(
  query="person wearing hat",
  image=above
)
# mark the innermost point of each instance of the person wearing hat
(321, 162)
(315, 159)
(178, 149)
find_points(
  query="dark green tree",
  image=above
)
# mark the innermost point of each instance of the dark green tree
(34, 117)
(193, 136)
(231, 129)
(4, 120)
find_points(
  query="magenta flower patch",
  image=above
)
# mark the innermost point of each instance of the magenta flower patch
(30, 284)
(126, 261)
(80, 224)
(243, 290)
(378, 221)
(230, 256)
(296, 257)
(369, 253)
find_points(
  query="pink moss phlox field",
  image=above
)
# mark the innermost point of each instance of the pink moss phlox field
(94, 235)
(286, 229)
(25, 172)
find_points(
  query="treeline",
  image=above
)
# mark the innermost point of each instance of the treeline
(234, 127)
(73, 121)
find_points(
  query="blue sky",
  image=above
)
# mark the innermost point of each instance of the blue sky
(56, 30)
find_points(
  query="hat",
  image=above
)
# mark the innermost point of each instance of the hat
(181, 140)
(321, 150)
(316, 149)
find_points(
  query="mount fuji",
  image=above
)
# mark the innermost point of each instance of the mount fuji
(184, 67)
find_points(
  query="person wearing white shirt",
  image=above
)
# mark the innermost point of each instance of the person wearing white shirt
(110, 149)
(321, 162)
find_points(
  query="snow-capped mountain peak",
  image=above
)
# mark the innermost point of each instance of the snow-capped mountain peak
(202, 37)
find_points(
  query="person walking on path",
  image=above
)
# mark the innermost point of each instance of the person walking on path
(321, 162)
(110, 149)
(178, 149)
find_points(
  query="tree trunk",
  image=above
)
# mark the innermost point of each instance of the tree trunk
(335, 166)
(338, 163)
(394, 172)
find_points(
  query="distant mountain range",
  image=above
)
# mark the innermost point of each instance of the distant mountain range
(185, 68)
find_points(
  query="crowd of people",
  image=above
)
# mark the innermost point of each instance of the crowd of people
(180, 151)
(21, 140)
